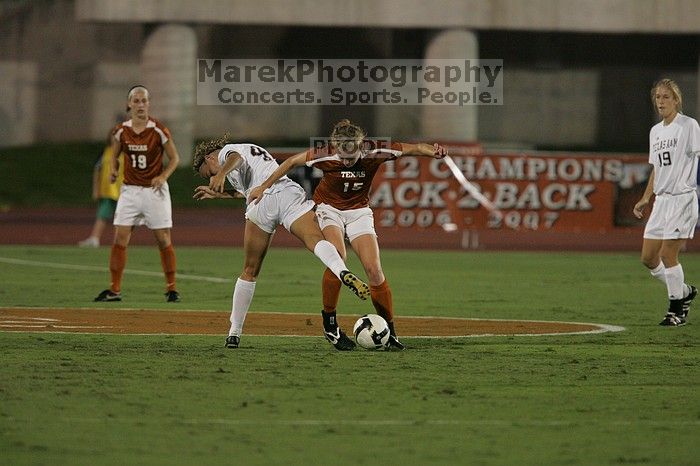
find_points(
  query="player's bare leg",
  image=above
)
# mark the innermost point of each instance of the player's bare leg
(256, 242)
(367, 250)
(95, 237)
(651, 249)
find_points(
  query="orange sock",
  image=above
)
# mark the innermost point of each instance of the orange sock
(330, 288)
(117, 262)
(381, 298)
(167, 260)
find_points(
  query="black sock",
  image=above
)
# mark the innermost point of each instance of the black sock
(329, 320)
(675, 306)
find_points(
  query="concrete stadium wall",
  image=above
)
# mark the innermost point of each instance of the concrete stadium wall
(679, 16)
(61, 87)
(18, 102)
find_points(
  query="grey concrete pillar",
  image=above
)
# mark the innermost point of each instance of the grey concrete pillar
(448, 122)
(168, 64)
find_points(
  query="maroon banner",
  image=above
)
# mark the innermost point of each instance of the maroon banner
(531, 191)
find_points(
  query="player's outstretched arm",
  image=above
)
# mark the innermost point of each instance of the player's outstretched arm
(288, 165)
(435, 151)
(646, 197)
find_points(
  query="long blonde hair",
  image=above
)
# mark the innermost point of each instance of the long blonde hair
(671, 85)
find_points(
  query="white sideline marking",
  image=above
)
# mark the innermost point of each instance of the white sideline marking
(22, 326)
(40, 322)
(82, 326)
(86, 268)
(23, 319)
(25, 322)
(383, 422)
(602, 328)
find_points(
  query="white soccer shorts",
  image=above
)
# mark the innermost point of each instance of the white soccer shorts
(673, 217)
(144, 205)
(352, 222)
(283, 203)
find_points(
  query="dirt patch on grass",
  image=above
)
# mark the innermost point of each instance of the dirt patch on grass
(130, 321)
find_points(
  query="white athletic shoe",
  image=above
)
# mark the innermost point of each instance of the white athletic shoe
(89, 242)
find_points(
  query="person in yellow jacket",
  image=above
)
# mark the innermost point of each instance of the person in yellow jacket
(106, 194)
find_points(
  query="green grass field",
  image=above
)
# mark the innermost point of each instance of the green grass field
(615, 398)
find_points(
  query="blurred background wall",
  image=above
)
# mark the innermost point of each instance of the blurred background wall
(577, 73)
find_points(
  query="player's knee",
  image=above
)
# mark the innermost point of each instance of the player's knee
(163, 244)
(669, 258)
(650, 262)
(311, 240)
(122, 240)
(375, 275)
(341, 251)
(250, 273)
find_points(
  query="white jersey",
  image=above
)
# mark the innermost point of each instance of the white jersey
(673, 151)
(256, 166)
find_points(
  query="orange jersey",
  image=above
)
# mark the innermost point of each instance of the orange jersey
(345, 187)
(144, 151)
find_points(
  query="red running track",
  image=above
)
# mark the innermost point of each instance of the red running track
(224, 227)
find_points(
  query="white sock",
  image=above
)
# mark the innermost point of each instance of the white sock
(659, 272)
(242, 297)
(328, 254)
(674, 282)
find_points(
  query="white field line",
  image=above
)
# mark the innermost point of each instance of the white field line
(24, 322)
(31, 319)
(92, 268)
(384, 422)
(293, 336)
(602, 328)
(83, 326)
(23, 326)
(3, 325)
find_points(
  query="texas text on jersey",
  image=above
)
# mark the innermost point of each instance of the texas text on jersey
(144, 150)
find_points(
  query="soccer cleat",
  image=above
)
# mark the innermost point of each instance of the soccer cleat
(172, 296)
(672, 320)
(339, 339)
(232, 341)
(90, 242)
(108, 295)
(356, 285)
(394, 344)
(688, 300)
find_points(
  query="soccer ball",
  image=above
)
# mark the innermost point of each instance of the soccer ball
(371, 332)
